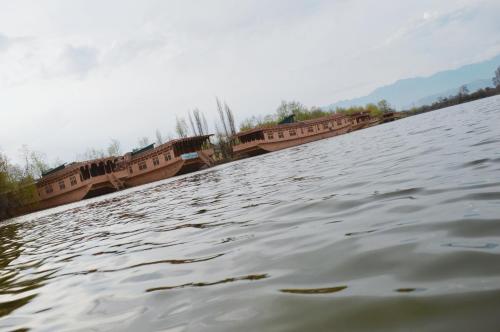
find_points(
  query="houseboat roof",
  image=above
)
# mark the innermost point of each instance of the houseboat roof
(64, 168)
(53, 170)
(59, 170)
(291, 124)
(141, 150)
(152, 149)
(189, 139)
(356, 114)
(174, 141)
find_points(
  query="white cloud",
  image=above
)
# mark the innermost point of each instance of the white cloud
(79, 59)
(429, 16)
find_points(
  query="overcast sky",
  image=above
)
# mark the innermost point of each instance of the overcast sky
(74, 74)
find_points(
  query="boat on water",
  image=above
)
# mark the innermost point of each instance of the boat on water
(289, 133)
(81, 180)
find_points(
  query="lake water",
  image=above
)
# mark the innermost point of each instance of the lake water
(391, 228)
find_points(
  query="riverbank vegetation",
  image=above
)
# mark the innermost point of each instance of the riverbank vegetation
(17, 184)
(303, 113)
(462, 97)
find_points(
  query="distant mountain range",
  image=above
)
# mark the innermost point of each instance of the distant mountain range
(412, 92)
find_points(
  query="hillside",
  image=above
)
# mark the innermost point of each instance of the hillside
(418, 90)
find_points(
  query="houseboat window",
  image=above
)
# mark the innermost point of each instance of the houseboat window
(130, 170)
(339, 122)
(325, 125)
(156, 161)
(101, 169)
(167, 156)
(317, 126)
(84, 173)
(292, 132)
(310, 129)
(280, 134)
(48, 189)
(270, 136)
(72, 180)
(62, 185)
(142, 165)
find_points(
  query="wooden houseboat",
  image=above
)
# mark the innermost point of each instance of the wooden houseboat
(267, 139)
(76, 181)
(176, 157)
(80, 180)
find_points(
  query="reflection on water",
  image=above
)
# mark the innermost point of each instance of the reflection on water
(395, 227)
(315, 290)
(202, 284)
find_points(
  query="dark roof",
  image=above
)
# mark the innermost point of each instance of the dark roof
(53, 170)
(288, 119)
(151, 149)
(363, 113)
(141, 150)
(187, 139)
(251, 131)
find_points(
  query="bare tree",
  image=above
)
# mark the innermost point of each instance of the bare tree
(170, 137)
(114, 148)
(198, 121)
(91, 153)
(181, 127)
(34, 162)
(143, 142)
(159, 137)
(205, 124)
(193, 128)
(230, 119)
(221, 116)
(222, 144)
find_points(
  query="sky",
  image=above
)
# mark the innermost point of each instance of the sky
(76, 74)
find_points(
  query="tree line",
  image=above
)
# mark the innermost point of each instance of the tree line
(303, 113)
(17, 183)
